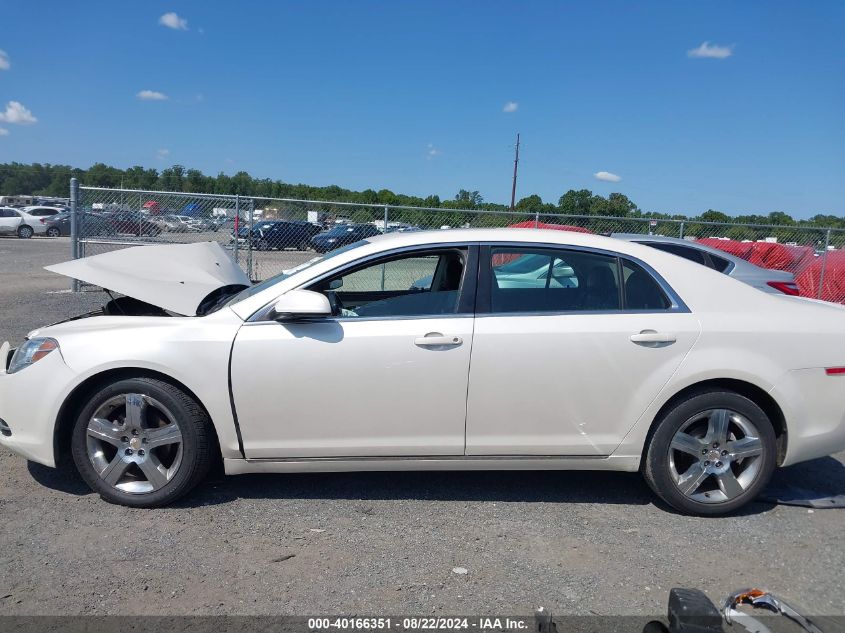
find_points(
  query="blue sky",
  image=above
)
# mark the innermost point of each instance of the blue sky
(411, 96)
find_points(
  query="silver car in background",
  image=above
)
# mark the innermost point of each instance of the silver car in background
(774, 281)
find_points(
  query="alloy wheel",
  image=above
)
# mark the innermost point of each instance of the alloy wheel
(134, 443)
(715, 456)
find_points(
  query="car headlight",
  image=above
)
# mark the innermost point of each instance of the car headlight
(31, 352)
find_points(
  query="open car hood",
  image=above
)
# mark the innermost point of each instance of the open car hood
(175, 277)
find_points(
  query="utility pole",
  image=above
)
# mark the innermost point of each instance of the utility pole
(515, 166)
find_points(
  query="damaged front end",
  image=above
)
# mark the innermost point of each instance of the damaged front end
(159, 280)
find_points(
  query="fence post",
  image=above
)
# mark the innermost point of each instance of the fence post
(237, 226)
(249, 241)
(74, 226)
(824, 264)
(682, 230)
(536, 219)
(386, 208)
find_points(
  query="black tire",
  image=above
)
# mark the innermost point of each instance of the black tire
(197, 445)
(262, 245)
(53, 232)
(25, 232)
(656, 466)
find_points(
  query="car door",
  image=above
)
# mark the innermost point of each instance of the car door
(385, 376)
(9, 220)
(568, 368)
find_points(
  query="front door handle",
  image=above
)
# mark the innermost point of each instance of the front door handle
(651, 336)
(436, 339)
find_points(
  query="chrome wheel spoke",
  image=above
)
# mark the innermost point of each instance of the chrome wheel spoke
(135, 410)
(717, 426)
(169, 434)
(154, 471)
(689, 482)
(746, 447)
(127, 447)
(729, 484)
(105, 431)
(686, 443)
(112, 473)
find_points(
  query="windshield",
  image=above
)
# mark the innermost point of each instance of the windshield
(248, 292)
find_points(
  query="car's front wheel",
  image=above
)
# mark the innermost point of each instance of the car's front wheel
(53, 232)
(711, 453)
(142, 442)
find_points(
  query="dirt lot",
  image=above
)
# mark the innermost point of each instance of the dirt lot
(383, 543)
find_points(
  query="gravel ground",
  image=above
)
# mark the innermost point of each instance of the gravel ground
(380, 543)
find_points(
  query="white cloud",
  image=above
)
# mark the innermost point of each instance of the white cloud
(431, 151)
(172, 21)
(711, 51)
(4, 131)
(606, 176)
(17, 113)
(5, 64)
(162, 154)
(511, 106)
(152, 95)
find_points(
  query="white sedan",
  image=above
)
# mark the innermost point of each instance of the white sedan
(637, 361)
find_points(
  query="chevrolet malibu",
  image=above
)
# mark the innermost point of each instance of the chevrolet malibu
(636, 360)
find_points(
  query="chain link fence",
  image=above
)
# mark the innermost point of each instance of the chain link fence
(268, 235)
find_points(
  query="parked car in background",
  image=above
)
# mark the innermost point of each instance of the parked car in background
(205, 224)
(151, 206)
(18, 222)
(282, 234)
(341, 235)
(775, 281)
(90, 224)
(188, 224)
(166, 223)
(43, 211)
(133, 223)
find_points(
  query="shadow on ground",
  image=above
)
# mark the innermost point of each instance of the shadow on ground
(824, 476)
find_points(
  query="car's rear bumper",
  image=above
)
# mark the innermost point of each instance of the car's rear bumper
(814, 409)
(29, 403)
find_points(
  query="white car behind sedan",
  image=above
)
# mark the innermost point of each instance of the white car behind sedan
(19, 222)
(613, 356)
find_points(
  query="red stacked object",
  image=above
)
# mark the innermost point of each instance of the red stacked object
(801, 261)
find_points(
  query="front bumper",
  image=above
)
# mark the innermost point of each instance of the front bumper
(29, 404)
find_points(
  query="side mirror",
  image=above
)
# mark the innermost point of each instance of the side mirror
(299, 304)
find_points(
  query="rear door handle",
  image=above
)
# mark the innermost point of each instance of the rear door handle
(651, 336)
(436, 339)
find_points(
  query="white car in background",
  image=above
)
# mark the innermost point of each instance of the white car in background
(642, 361)
(18, 222)
(42, 211)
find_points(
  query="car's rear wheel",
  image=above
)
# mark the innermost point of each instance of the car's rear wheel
(25, 232)
(711, 453)
(53, 232)
(142, 442)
